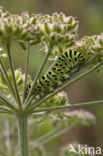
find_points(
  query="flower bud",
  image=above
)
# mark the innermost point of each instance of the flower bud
(22, 44)
(6, 14)
(62, 17)
(47, 28)
(33, 20)
(24, 33)
(69, 20)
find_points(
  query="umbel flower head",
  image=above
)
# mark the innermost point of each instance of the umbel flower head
(91, 45)
(13, 27)
(56, 31)
(60, 32)
(19, 79)
(72, 118)
(59, 99)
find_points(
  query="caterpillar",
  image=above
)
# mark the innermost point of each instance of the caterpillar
(65, 66)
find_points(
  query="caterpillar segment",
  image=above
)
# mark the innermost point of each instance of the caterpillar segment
(66, 65)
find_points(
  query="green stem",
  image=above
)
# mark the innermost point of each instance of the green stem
(28, 103)
(50, 136)
(45, 136)
(7, 102)
(3, 109)
(6, 112)
(13, 75)
(43, 99)
(38, 74)
(23, 134)
(26, 71)
(67, 106)
(6, 77)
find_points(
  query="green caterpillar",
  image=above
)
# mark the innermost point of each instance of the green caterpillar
(65, 66)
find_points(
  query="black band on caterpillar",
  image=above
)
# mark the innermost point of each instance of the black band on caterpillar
(66, 65)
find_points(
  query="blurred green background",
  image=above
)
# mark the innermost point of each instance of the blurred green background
(90, 16)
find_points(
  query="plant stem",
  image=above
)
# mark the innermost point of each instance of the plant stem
(28, 103)
(49, 136)
(3, 109)
(6, 112)
(13, 75)
(7, 102)
(26, 71)
(67, 106)
(43, 99)
(38, 74)
(23, 134)
(6, 77)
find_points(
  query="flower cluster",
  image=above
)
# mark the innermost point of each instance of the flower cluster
(60, 99)
(14, 27)
(72, 118)
(56, 31)
(91, 45)
(59, 31)
(65, 119)
(19, 79)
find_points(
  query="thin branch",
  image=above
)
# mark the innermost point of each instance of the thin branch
(69, 106)
(43, 99)
(39, 140)
(7, 102)
(6, 77)
(26, 71)
(13, 75)
(38, 74)
(50, 136)
(6, 110)
(28, 103)
(39, 113)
